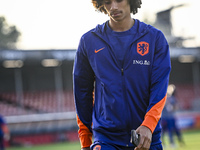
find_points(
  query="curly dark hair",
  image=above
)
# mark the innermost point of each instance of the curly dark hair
(134, 4)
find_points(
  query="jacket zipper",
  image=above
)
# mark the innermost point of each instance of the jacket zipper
(122, 71)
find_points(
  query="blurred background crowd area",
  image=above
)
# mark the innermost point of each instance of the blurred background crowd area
(36, 92)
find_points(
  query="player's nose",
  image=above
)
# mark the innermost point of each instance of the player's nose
(114, 5)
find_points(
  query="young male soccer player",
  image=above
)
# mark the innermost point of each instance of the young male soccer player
(4, 132)
(126, 63)
(168, 118)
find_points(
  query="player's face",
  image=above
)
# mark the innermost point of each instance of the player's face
(118, 10)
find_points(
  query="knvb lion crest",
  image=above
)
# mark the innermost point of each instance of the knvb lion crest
(142, 48)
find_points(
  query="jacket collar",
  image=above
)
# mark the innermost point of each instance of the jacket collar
(142, 29)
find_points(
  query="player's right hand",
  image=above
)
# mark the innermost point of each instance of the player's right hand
(145, 138)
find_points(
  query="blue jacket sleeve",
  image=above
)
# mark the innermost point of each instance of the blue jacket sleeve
(160, 70)
(159, 82)
(83, 82)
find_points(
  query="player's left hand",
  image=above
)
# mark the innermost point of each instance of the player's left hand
(145, 138)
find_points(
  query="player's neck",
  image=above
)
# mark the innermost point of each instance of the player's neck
(121, 26)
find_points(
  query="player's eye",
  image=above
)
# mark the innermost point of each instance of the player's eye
(107, 2)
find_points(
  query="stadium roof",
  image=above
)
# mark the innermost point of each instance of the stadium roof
(35, 56)
(69, 54)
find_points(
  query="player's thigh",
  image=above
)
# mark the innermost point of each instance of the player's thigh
(102, 146)
(106, 146)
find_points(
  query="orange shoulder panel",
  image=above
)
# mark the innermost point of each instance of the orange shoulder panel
(153, 115)
(85, 135)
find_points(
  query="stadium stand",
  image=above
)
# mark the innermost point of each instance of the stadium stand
(10, 110)
(36, 102)
(36, 95)
(185, 96)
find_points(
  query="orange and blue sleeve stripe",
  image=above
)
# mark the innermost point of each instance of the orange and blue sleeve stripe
(154, 114)
(84, 133)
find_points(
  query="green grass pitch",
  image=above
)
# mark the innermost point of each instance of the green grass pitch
(191, 138)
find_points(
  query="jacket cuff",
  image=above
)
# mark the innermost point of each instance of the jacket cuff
(85, 140)
(153, 115)
(150, 122)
